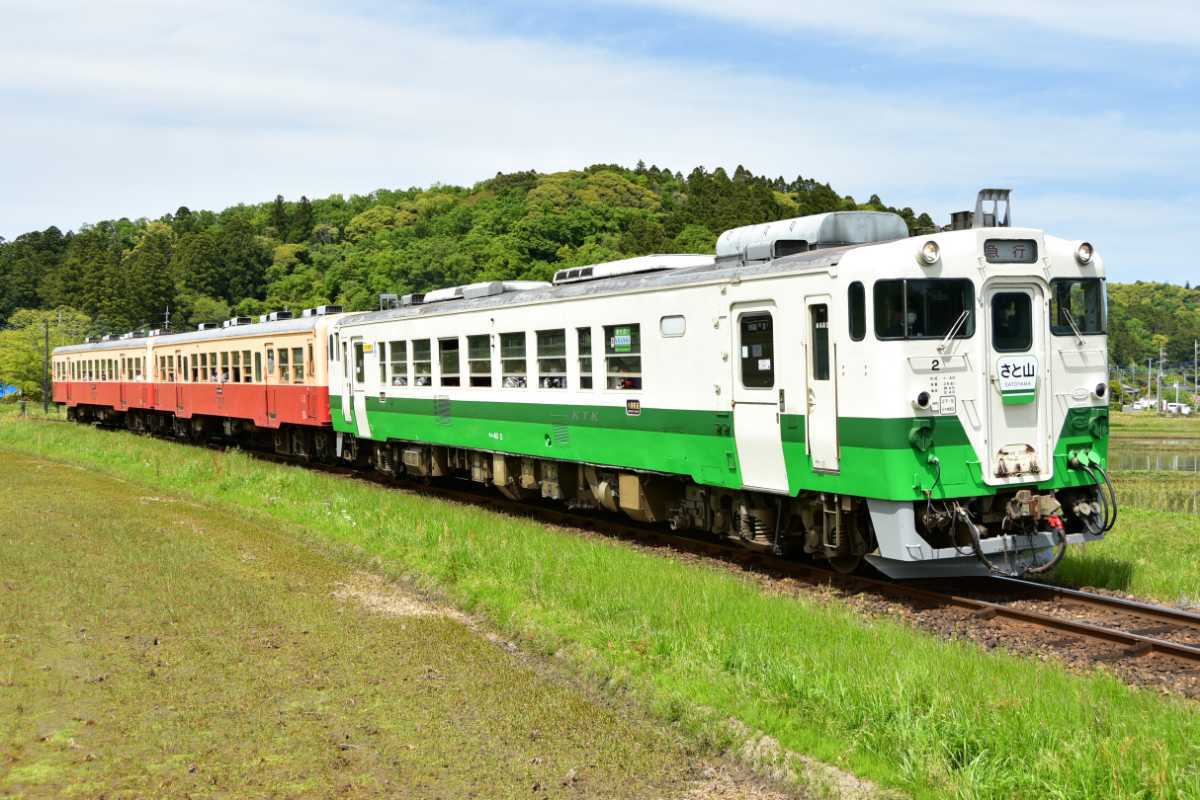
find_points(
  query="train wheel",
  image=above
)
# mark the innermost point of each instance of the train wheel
(845, 564)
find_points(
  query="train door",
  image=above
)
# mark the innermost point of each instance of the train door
(757, 398)
(272, 398)
(180, 368)
(1019, 391)
(358, 348)
(821, 419)
(122, 386)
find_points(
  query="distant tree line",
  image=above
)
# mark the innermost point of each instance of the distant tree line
(205, 265)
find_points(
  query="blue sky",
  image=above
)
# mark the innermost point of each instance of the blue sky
(1089, 110)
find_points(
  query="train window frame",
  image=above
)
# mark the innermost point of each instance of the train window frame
(246, 376)
(1016, 346)
(398, 367)
(819, 331)
(235, 366)
(283, 358)
(965, 331)
(360, 362)
(258, 366)
(583, 336)
(856, 311)
(623, 360)
(312, 361)
(479, 360)
(514, 360)
(1085, 329)
(422, 377)
(752, 354)
(449, 361)
(672, 326)
(381, 348)
(297, 365)
(552, 366)
(224, 373)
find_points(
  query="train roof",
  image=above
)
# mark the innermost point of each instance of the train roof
(283, 326)
(714, 270)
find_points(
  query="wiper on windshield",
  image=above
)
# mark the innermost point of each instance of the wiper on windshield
(941, 348)
(1074, 327)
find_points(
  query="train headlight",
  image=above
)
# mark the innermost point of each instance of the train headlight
(1083, 253)
(922, 400)
(930, 253)
(1101, 390)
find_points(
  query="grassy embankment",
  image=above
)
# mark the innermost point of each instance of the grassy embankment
(702, 646)
(1154, 551)
(152, 646)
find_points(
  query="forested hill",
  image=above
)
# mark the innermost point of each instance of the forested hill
(207, 265)
(246, 259)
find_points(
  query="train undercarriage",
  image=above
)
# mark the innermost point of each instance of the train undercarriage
(1016, 532)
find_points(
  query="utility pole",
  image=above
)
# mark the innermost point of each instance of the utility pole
(46, 369)
(1162, 356)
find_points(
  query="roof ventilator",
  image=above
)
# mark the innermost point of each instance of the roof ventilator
(320, 311)
(630, 266)
(786, 237)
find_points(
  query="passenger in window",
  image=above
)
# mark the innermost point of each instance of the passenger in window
(895, 325)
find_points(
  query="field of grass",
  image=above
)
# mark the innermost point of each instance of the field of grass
(1141, 424)
(153, 646)
(702, 646)
(1154, 551)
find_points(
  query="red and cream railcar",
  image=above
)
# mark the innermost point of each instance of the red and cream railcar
(267, 377)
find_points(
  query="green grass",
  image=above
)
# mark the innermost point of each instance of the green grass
(1142, 424)
(152, 646)
(702, 646)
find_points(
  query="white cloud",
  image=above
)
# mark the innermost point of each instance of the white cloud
(135, 109)
(955, 24)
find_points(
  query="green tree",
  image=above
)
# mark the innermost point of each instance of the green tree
(22, 344)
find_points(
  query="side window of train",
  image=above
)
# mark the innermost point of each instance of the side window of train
(284, 366)
(246, 376)
(857, 296)
(422, 363)
(311, 366)
(270, 363)
(552, 359)
(513, 367)
(382, 349)
(399, 355)
(257, 366)
(757, 350)
(448, 361)
(623, 356)
(298, 364)
(585, 357)
(479, 359)
(820, 341)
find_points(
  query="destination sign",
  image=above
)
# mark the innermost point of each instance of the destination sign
(1010, 251)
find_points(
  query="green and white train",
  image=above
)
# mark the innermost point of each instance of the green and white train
(829, 384)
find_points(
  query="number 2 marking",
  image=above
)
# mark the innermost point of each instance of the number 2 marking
(935, 365)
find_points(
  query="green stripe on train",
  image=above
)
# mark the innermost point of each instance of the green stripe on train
(879, 458)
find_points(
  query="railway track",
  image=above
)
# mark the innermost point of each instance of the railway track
(1138, 629)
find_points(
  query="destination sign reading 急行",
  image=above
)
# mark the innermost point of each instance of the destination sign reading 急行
(1010, 251)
